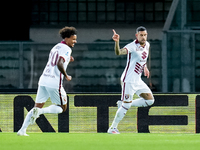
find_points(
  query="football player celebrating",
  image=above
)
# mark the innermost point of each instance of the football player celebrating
(50, 82)
(131, 82)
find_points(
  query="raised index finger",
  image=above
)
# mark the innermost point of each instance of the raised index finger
(114, 31)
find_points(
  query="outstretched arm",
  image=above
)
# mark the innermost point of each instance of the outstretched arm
(61, 68)
(118, 51)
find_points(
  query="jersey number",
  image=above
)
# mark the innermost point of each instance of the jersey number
(54, 58)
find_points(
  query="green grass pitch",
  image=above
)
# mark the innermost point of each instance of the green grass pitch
(99, 141)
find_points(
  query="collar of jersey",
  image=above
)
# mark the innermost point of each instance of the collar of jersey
(63, 42)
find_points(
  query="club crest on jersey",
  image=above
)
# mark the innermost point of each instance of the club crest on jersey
(126, 96)
(144, 55)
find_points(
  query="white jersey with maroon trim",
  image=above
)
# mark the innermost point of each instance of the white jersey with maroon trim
(136, 60)
(51, 76)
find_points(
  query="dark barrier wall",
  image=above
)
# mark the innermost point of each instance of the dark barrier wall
(144, 119)
(103, 102)
(26, 101)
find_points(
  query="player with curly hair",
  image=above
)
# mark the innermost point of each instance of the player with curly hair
(51, 80)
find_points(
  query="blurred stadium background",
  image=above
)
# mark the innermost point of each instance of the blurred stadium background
(29, 29)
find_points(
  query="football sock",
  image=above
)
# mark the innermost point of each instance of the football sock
(52, 109)
(121, 112)
(141, 102)
(26, 121)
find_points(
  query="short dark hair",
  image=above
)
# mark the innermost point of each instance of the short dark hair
(66, 32)
(141, 28)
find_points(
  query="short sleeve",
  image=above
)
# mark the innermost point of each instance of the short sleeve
(148, 45)
(65, 53)
(130, 47)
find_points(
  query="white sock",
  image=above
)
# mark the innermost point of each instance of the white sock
(52, 109)
(141, 102)
(121, 112)
(26, 121)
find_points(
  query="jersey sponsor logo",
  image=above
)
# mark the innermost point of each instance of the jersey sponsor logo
(48, 75)
(67, 54)
(57, 47)
(140, 48)
(47, 71)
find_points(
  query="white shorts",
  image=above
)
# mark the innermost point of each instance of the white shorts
(129, 89)
(58, 97)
